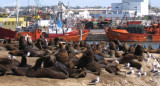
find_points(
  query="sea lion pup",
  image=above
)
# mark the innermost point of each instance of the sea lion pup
(113, 68)
(22, 43)
(62, 55)
(87, 61)
(132, 49)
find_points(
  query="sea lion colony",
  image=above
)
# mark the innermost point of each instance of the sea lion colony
(62, 59)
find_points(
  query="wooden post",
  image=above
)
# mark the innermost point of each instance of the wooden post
(80, 27)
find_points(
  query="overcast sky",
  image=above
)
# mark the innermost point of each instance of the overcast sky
(82, 3)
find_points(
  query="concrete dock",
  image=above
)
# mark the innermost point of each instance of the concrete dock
(97, 35)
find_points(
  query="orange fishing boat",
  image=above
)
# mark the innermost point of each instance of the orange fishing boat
(135, 33)
(74, 35)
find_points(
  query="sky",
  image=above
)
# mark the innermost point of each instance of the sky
(73, 3)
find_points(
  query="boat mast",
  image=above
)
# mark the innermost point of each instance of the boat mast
(60, 11)
(17, 14)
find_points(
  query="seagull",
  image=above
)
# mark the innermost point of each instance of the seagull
(147, 59)
(26, 37)
(154, 70)
(157, 73)
(28, 54)
(76, 51)
(139, 74)
(131, 72)
(141, 70)
(149, 55)
(144, 74)
(11, 57)
(127, 65)
(95, 80)
(105, 48)
(157, 65)
(116, 61)
(155, 59)
(46, 40)
(130, 68)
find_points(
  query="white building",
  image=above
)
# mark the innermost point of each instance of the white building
(129, 7)
(85, 14)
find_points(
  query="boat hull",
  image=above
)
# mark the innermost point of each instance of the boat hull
(124, 36)
(74, 35)
(6, 33)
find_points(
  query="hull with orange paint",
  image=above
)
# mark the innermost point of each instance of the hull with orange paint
(125, 36)
(34, 35)
(74, 35)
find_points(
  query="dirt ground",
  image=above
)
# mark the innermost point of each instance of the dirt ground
(106, 79)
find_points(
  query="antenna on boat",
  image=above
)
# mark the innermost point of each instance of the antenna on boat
(18, 28)
(28, 7)
(17, 18)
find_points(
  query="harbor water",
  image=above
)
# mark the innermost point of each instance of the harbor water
(155, 44)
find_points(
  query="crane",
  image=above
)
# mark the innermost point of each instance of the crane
(12, 13)
(7, 18)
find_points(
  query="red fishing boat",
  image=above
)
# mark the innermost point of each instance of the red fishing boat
(135, 33)
(74, 35)
(6, 33)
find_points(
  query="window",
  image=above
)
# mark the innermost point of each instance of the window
(12, 22)
(8, 23)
